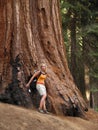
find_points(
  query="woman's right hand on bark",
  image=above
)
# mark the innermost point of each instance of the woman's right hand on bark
(27, 85)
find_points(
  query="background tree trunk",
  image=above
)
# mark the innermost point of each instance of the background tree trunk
(30, 33)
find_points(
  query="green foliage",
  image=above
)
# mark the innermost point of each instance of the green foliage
(87, 27)
(92, 55)
(94, 89)
(92, 29)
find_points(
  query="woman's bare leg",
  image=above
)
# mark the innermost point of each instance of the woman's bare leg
(42, 102)
(44, 105)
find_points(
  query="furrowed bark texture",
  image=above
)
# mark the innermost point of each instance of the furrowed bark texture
(30, 33)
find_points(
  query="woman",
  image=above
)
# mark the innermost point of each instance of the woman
(40, 86)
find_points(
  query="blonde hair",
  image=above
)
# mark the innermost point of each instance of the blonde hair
(43, 64)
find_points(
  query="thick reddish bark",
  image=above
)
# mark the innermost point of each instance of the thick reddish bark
(30, 34)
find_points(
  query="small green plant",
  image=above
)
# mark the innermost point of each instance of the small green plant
(96, 109)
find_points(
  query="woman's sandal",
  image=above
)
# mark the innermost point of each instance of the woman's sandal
(40, 110)
(46, 112)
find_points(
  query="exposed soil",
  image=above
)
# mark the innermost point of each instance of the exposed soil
(17, 118)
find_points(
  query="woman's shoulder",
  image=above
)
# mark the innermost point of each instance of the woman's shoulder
(37, 72)
(44, 73)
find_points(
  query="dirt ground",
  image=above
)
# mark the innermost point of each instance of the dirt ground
(17, 118)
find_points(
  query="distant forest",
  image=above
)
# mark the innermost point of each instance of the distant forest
(80, 32)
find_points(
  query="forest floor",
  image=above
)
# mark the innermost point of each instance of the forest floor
(17, 118)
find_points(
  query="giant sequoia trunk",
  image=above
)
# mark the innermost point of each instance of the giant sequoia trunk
(30, 33)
